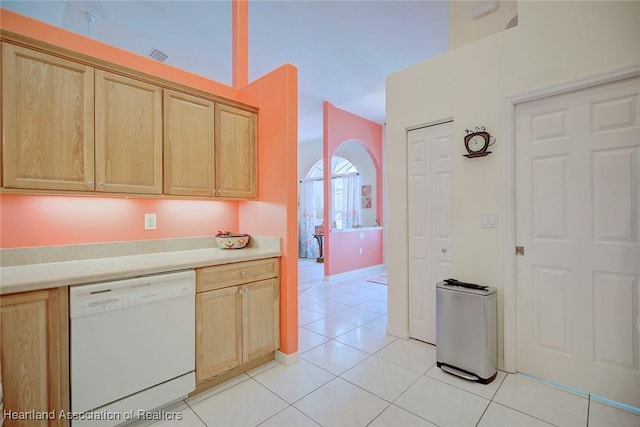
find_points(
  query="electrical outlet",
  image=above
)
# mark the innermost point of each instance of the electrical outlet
(150, 221)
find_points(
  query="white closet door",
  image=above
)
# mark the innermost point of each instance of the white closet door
(429, 223)
(577, 216)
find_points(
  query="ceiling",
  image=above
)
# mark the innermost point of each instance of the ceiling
(343, 49)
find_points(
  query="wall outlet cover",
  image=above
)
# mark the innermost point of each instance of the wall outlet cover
(150, 221)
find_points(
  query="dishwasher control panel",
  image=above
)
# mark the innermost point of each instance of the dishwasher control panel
(85, 300)
(108, 304)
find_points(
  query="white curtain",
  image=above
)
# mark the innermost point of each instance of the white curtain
(307, 245)
(347, 201)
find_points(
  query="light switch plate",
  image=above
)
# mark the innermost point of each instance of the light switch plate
(488, 220)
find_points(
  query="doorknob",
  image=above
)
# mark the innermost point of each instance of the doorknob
(443, 250)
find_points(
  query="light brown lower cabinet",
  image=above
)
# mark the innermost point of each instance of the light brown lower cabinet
(34, 355)
(218, 332)
(237, 319)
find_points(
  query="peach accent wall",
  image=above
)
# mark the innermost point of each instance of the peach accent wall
(240, 43)
(43, 220)
(349, 244)
(34, 220)
(276, 94)
(340, 126)
(39, 220)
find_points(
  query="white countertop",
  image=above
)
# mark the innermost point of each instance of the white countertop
(55, 274)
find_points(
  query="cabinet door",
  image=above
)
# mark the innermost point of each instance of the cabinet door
(236, 163)
(188, 145)
(128, 135)
(260, 307)
(34, 350)
(218, 332)
(47, 106)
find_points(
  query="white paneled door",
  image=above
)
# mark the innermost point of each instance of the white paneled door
(578, 219)
(429, 224)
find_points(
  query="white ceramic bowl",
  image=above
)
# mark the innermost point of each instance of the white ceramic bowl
(235, 241)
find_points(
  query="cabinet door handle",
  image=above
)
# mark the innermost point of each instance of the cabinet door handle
(90, 184)
(213, 191)
(243, 273)
(101, 184)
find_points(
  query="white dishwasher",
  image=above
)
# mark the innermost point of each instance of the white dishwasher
(132, 346)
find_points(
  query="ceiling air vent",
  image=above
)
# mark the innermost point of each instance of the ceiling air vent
(158, 55)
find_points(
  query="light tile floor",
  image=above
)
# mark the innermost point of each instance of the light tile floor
(352, 374)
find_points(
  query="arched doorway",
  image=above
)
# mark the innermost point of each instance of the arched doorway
(345, 202)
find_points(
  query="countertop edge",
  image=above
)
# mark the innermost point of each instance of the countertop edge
(35, 277)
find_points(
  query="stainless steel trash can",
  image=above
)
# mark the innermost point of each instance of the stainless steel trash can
(466, 330)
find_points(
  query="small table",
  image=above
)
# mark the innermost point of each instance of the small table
(320, 239)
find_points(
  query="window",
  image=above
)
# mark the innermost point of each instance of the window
(345, 191)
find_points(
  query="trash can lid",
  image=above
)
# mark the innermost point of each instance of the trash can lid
(466, 287)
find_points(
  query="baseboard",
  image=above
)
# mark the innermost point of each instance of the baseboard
(287, 359)
(232, 373)
(349, 273)
(500, 365)
(398, 333)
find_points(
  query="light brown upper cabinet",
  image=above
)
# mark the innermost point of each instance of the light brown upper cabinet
(69, 126)
(48, 121)
(128, 135)
(188, 145)
(235, 153)
(209, 148)
(60, 137)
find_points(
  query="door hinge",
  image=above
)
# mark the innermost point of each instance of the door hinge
(520, 250)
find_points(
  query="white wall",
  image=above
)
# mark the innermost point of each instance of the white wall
(463, 29)
(554, 43)
(308, 154)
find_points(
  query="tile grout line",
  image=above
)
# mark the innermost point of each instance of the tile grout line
(524, 413)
